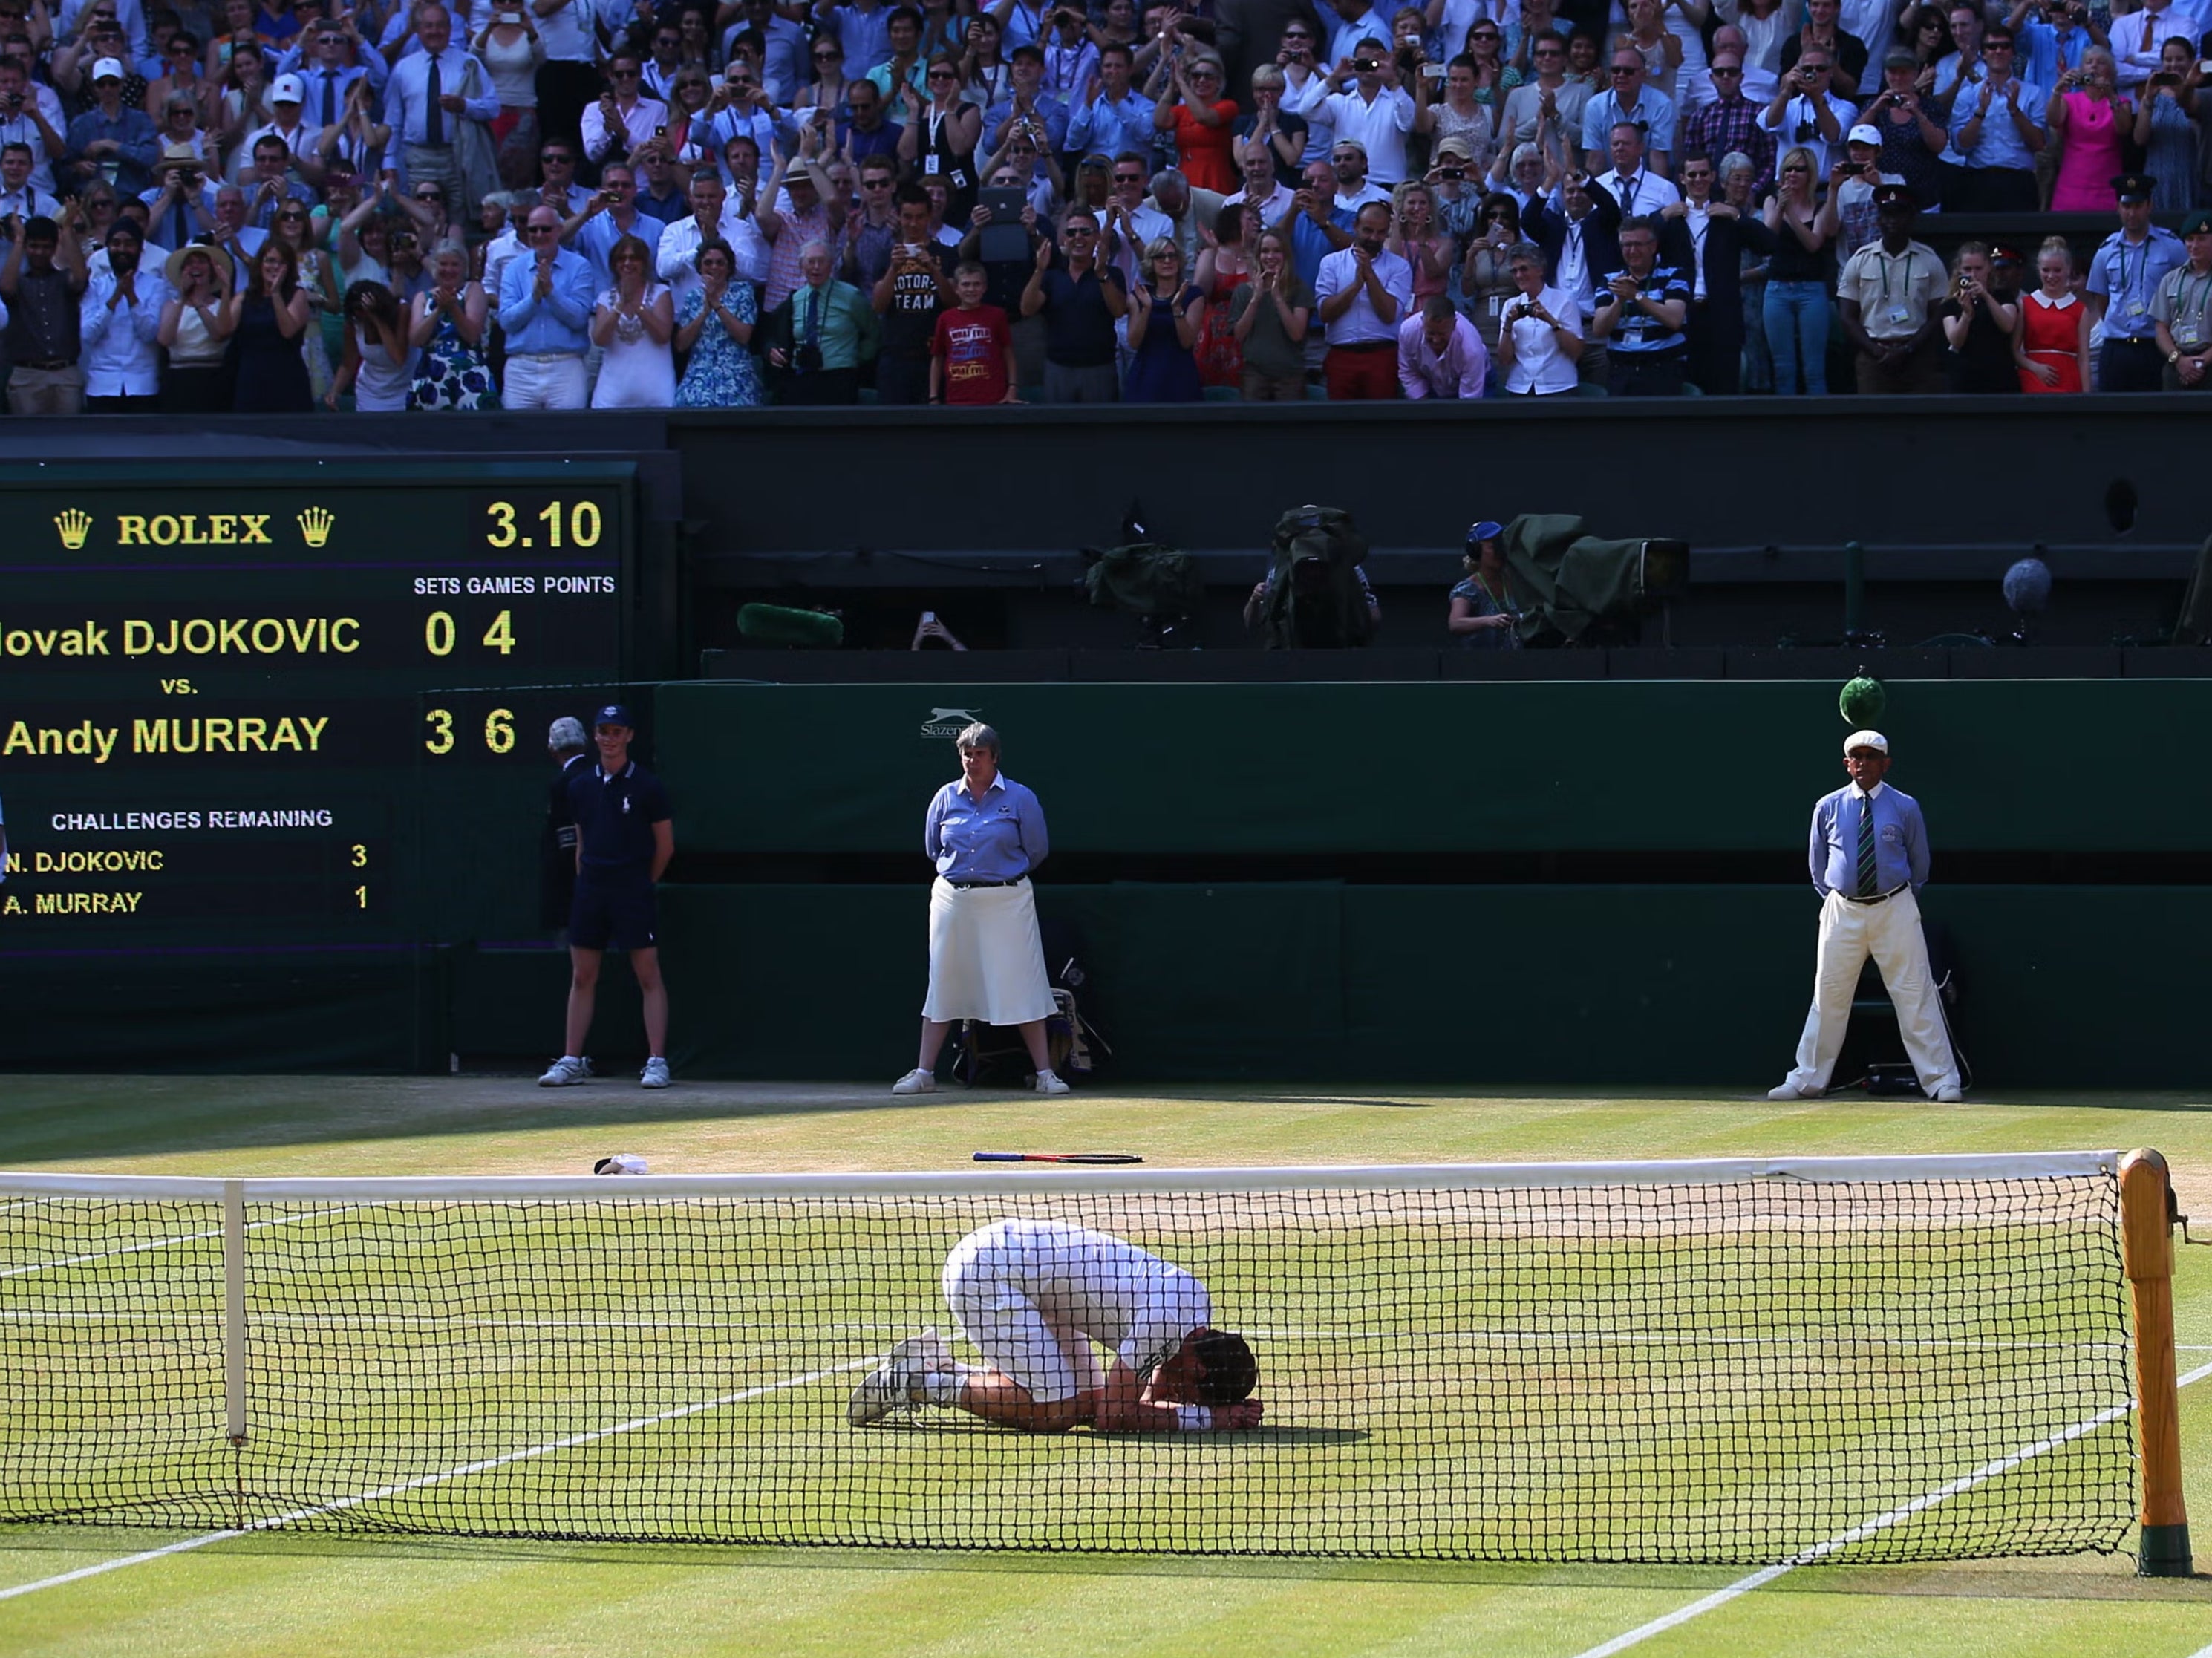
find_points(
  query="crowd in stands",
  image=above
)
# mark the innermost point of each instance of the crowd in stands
(273, 206)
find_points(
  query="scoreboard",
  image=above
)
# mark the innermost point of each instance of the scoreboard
(213, 730)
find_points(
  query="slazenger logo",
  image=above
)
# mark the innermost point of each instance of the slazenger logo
(949, 722)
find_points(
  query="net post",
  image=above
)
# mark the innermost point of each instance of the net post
(233, 1310)
(2146, 1242)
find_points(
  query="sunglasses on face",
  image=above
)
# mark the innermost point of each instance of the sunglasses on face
(1728, 70)
(1628, 68)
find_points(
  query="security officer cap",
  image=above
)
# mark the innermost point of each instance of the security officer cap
(2133, 187)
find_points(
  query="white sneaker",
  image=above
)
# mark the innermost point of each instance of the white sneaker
(566, 1072)
(655, 1074)
(1049, 1082)
(916, 1081)
(896, 1384)
(1792, 1091)
(1949, 1094)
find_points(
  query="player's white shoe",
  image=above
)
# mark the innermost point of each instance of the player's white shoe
(1049, 1082)
(655, 1074)
(566, 1072)
(916, 1081)
(1792, 1091)
(896, 1384)
(1949, 1094)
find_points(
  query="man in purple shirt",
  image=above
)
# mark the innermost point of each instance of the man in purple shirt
(1439, 353)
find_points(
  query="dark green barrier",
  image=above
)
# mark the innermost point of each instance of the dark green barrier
(1152, 769)
(1559, 984)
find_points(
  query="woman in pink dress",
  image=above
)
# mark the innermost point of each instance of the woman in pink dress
(2088, 120)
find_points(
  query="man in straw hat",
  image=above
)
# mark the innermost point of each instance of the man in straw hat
(1869, 859)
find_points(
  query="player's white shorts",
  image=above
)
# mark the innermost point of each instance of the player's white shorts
(1048, 1356)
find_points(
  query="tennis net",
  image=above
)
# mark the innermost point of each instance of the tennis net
(1740, 1361)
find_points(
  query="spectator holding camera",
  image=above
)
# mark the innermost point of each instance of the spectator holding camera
(1822, 32)
(1978, 328)
(23, 120)
(1912, 139)
(1540, 336)
(2139, 38)
(1796, 309)
(1804, 112)
(820, 335)
(1373, 109)
(909, 295)
(2166, 127)
(2089, 123)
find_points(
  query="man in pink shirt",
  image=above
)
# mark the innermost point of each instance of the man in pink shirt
(1439, 353)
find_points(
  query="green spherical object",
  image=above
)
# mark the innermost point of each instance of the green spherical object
(1862, 701)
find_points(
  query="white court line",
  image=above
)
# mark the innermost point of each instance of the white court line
(421, 1482)
(1767, 1574)
(169, 1243)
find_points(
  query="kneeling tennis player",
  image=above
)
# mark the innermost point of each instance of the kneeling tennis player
(1043, 1300)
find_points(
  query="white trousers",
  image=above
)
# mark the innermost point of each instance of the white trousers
(552, 381)
(1890, 933)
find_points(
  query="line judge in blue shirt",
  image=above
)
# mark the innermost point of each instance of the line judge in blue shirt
(1868, 859)
(985, 834)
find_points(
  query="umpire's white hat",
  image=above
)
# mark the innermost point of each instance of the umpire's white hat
(1874, 740)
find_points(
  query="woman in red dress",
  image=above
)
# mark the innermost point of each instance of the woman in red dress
(2051, 341)
(1204, 125)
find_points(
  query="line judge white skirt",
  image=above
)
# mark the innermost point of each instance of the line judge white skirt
(985, 954)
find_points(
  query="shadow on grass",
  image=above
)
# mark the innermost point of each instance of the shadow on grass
(2089, 1579)
(54, 1119)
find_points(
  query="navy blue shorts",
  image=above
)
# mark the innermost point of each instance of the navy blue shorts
(613, 914)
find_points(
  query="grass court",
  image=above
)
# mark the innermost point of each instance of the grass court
(304, 1591)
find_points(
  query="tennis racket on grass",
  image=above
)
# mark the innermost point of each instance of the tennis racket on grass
(1057, 1157)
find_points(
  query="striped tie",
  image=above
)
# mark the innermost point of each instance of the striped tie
(1866, 847)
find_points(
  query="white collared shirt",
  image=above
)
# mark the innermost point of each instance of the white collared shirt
(1646, 192)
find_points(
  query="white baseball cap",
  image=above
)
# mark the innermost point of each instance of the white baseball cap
(1861, 134)
(107, 69)
(288, 89)
(1874, 740)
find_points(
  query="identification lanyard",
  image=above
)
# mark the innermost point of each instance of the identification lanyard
(2188, 318)
(2137, 305)
(1897, 312)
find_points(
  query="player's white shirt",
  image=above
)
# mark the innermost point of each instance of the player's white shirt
(1122, 1297)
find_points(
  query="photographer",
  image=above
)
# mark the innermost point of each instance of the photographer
(1375, 111)
(1912, 139)
(1805, 111)
(1845, 52)
(1978, 325)
(1539, 336)
(2165, 128)
(1849, 214)
(2088, 123)
(2138, 39)
(23, 121)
